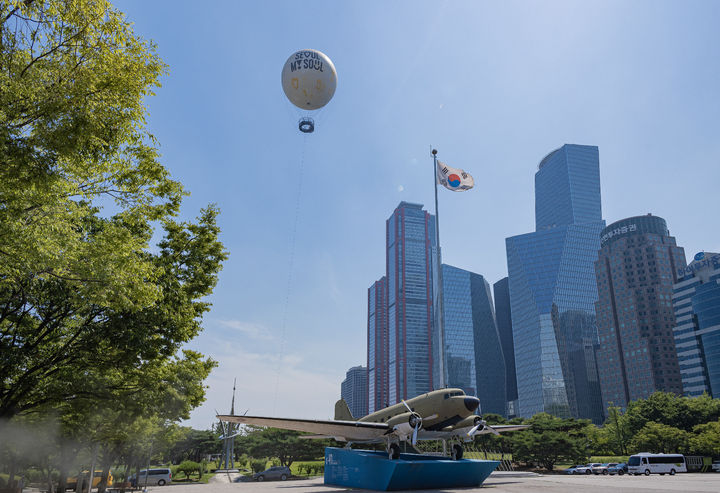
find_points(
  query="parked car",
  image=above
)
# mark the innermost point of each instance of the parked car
(277, 472)
(716, 465)
(591, 467)
(582, 469)
(71, 482)
(603, 468)
(159, 476)
(618, 469)
(574, 469)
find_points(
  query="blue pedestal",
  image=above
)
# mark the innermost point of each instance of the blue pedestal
(372, 470)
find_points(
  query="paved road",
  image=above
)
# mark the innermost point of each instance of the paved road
(497, 483)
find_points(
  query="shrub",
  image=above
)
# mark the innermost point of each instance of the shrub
(188, 467)
(258, 465)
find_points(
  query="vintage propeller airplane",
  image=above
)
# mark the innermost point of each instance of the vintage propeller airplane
(446, 414)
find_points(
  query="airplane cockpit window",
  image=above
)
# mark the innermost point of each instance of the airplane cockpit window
(447, 396)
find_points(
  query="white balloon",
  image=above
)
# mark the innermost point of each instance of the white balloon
(309, 79)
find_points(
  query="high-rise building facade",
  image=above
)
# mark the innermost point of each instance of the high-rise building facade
(636, 268)
(377, 346)
(410, 246)
(696, 301)
(473, 356)
(354, 389)
(503, 319)
(551, 281)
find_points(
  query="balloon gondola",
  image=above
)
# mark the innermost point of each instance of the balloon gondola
(306, 125)
(309, 80)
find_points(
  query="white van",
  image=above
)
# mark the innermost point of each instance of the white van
(646, 463)
(160, 476)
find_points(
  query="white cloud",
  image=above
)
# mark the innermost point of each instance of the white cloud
(254, 331)
(268, 384)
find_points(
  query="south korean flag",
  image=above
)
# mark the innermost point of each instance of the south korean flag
(454, 179)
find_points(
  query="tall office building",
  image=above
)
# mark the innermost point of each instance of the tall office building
(410, 242)
(636, 268)
(473, 353)
(354, 389)
(696, 300)
(504, 325)
(377, 346)
(551, 281)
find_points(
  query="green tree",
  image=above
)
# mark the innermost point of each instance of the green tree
(617, 431)
(706, 439)
(285, 445)
(72, 136)
(80, 188)
(91, 318)
(64, 348)
(194, 445)
(664, 407)
(658, 437)
(551, 439)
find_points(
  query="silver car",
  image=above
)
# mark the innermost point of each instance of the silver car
(603, 468)
(583, 469)
(277, 472)
(160, 476)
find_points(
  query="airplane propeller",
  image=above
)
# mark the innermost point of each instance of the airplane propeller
(415, 422)
(481, 424)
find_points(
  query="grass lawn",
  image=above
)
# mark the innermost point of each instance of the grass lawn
(490, 456)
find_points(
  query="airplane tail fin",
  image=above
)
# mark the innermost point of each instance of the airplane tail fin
(342, 411)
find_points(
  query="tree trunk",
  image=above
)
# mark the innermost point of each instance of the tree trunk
(51, 486)
(62, 480)
(105, 473)
(12, 472)
(126, 477)
(80, 484)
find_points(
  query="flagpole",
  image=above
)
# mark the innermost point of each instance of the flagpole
(440, 309)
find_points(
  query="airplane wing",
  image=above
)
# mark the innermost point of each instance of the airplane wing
(342, 430)
(451, 432)
(502, 428)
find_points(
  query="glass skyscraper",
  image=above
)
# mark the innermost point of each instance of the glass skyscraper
(473, 353)
(354, 389)
(696, 300)
(551, 281)
(635, 273)
(410, 246)
(504, 325)
(377, 346)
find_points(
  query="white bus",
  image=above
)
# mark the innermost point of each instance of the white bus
(646, 463)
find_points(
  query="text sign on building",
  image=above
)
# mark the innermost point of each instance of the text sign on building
(620, 230)
(704, 262)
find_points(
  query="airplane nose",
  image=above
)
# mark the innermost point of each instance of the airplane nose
(472, 403)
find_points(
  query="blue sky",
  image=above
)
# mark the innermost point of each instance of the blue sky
(494, 86)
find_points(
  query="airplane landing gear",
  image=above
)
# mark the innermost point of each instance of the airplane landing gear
(393, 451)
(456, 452)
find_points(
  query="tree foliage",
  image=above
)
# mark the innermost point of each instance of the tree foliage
(194, 445)
(551, 439)
(72, 137)
(666, 408)
(660, 438)
(92, 317)
(284, 445)
(82, 299)
(706, 439)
